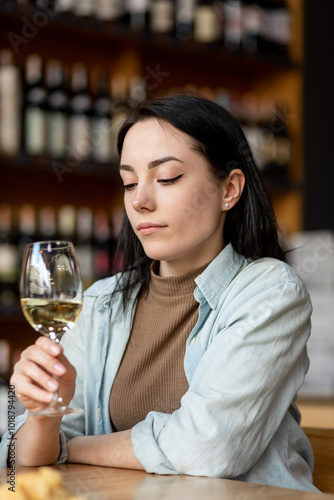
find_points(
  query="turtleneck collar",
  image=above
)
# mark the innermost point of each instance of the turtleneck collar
(172, 286)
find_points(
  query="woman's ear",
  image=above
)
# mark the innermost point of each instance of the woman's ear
(233, 187)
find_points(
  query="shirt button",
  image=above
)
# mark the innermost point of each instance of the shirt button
(192, 341)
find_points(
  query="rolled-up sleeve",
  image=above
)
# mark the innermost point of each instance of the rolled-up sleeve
(240, 392)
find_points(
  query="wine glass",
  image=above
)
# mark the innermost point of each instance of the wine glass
(51, 298)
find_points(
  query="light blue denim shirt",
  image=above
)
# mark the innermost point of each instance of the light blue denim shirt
(245, 361)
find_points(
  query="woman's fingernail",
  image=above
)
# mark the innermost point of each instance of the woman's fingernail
(60, 368)
(52, 384)
(54, 349)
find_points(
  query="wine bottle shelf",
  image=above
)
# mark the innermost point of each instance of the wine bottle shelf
(58, 168)
(75, 28)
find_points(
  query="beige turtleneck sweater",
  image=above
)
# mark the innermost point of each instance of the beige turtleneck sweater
(151, 375)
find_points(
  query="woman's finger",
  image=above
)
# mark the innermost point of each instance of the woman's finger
(41, 357)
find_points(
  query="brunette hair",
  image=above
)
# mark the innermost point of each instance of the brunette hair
(250, 225)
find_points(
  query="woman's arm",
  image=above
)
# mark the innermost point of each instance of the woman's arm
(37, 441)
(110, 450)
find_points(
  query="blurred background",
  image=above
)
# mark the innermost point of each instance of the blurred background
(67, 70)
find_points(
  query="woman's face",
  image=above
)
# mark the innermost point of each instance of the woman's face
(173, 205)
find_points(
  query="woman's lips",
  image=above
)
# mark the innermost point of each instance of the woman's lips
(149, 228)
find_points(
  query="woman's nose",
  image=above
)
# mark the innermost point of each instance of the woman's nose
(143, 199)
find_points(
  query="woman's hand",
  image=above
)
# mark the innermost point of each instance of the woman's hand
(32, 376)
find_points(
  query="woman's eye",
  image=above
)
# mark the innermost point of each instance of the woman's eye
(128, 187)
(170, 181)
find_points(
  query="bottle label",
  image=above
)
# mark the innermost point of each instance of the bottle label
(8, 263)
(206, 24)
(108, 10)
(233, 22)
(57, 134)
(101, 140)
(275, 26)
(137, 6)
(251, 18)
(10, 110)
(79, 135)
(84, 7)
(35, 131)
(162, 16)
(85, 258)
(10, 130)
(185, 11)
(281, 31)
(65, 5)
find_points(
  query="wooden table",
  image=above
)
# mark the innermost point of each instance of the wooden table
(102, 483)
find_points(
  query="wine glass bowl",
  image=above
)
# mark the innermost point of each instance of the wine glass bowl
(51, 296)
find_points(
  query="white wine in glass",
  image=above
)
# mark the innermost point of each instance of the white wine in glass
(51, 297)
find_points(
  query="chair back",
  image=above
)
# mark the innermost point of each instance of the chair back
(322, 442)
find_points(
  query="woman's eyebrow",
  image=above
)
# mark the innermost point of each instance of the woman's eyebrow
(152, 164)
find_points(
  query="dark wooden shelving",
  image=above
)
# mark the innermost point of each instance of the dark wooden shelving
(92, 31)
(35, 181)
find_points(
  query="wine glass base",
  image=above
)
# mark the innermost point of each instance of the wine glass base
(57, 410)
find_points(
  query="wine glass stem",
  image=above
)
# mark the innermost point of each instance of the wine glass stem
(55, 399)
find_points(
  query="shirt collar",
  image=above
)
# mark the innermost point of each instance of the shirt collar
(214, 280)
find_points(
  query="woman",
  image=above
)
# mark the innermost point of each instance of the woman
(188, 361)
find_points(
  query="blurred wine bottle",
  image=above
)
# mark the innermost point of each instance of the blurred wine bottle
(47, 223)
(233, 25)
(251, 21)
(139, 14)
(84, 8)
(56, 109)
(104, 245)
(249, 122)
(27, 226)
(184, 18)
(50, 6)
(34, 107)
(109, 11)
(67, 223)
(162, 17)
(65, 8)
(10, 104)
(101, 138)
(267, 139)
(80, 109)
(83, 244)
(119, 92)
(208, 21)
(278, 169)
(275, 28)
(9, 259)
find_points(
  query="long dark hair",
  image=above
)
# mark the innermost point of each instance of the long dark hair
(250, 226)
